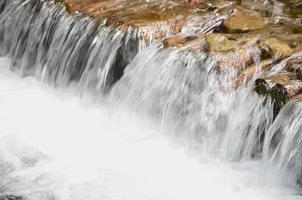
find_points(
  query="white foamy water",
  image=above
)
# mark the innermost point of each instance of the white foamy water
(55, 146)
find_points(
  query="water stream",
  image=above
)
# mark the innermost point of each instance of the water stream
(89, 112)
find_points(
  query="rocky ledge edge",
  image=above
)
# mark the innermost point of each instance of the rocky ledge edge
(260, 40)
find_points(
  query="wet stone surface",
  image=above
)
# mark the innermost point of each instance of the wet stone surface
(10, 197)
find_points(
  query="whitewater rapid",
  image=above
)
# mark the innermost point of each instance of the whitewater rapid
(55, 145)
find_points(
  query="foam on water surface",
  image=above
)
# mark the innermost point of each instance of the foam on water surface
(57, 147)
(153, 123)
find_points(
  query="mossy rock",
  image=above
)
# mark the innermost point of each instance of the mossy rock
(279, 97)
(261, 87)
(277, 93)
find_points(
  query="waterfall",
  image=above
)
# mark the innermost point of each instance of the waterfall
(45, 41)
(181, 91)
(282, 147)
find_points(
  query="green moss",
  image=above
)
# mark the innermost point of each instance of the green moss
(260, 87)
(277, 94)
(279, 97)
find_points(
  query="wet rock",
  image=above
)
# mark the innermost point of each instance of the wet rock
(157, 30)
(247, 74)
(295, 65)
(237, 59)
(10, 197)
(203, 24)
(278, 49)
(178, 40)
(299, 73)
(258, 5)
(287, 80)
(274, 88)
(280, 87)
(290, 25)
(2, 5)
(234, 42)
(242, 55)
(195, 2)
(261, 87)
(222, 42)
(125, 11)
(244, 23)
(279, 97)
(293, 7)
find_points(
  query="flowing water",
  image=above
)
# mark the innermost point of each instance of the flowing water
(151, 123)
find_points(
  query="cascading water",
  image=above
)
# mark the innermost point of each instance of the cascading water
(68, 49)
(70, 151)
(283, 141)
(185, 95)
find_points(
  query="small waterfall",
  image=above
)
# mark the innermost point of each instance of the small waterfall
(43, 40)
(282, 148)
(181, 90)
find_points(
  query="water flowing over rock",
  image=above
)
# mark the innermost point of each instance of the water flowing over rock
(283, 144)
(180, 90)
(222, 80)
(10, 197)
(61, 49)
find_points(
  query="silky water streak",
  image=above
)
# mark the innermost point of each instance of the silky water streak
(56, 146)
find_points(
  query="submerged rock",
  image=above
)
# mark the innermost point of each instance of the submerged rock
(10, 197)
(225, 42)
(247, 74)
(280, 87)
(237, 59)
(244, 23)
(179, 40)
(258, 5)
(278, 49)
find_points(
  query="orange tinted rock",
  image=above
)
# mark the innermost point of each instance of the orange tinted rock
(183, 40)
(243, 23)
(155, 19)
(195, 2)
(133, 11)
